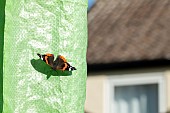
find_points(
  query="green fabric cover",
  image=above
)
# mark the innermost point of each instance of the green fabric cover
(2, 20)
(44, 26)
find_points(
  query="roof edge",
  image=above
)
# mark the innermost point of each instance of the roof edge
(128, 65)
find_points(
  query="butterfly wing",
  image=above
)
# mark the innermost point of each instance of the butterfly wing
(59, 63)
(70, 68)
(47, 58)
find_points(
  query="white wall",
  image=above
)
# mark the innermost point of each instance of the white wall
(94, 94)
(96, 91)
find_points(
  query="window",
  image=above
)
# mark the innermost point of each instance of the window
(137, 93)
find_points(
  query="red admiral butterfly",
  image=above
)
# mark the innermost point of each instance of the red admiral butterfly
(59, 64)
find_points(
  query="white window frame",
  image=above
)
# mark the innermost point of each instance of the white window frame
(134, 79)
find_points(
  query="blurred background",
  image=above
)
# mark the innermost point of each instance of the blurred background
(128, 56)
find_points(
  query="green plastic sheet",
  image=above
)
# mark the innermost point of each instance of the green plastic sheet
(44, 26)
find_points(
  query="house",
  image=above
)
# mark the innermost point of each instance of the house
(128, 57)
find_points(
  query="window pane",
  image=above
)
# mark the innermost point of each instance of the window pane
(136, 99)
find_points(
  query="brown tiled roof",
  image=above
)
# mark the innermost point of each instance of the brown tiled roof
(128, 30)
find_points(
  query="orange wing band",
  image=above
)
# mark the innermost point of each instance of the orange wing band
(65, 66)
(46, 60)
(47, 55)
(63, 58)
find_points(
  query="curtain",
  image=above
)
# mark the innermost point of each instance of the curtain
(136, 99)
